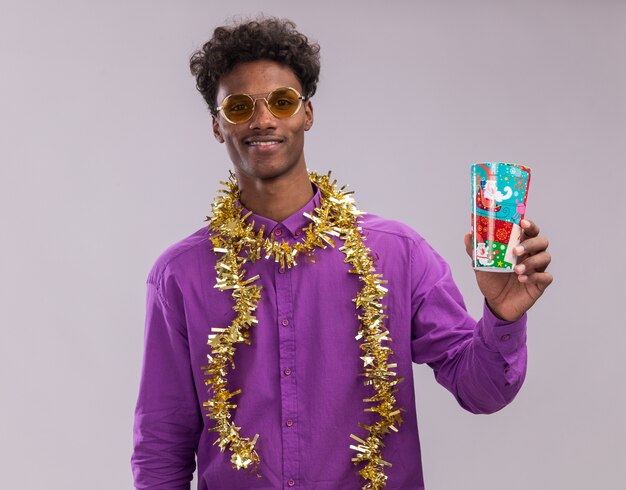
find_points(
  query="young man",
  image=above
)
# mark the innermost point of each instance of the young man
(313, 313)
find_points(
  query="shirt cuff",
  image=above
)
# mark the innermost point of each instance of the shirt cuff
(500, 335)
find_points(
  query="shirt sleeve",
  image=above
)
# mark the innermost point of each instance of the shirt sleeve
(168, 422)
(483, 364)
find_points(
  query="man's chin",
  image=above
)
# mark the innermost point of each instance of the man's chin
(268, 171)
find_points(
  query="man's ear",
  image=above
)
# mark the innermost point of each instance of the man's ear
(308, 113)
(217, 131)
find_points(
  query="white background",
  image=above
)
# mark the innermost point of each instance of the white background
(107, 157)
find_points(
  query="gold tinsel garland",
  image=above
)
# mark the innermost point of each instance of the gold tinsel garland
(237, 243)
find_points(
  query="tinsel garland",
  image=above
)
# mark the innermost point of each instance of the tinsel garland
(237, 243)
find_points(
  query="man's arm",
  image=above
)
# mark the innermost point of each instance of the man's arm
(483, 364)
(168, 422)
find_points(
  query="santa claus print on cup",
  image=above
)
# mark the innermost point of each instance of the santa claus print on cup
(499, 192)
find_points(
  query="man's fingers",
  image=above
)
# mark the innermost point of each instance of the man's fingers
(532, 246)
(533, 263)
(530, 227)
(540, 279)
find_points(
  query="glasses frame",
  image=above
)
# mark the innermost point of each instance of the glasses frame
(220, 109)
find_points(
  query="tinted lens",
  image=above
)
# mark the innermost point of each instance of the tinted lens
(284, 102)
(238, 108)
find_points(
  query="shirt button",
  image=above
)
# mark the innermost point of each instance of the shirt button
(287, 372)
(281, 270)
(505, 337)
(298, 232)
(278, 232)
(285, 322)
(291, 482)
(289, 422)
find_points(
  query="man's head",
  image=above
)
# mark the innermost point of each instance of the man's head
(256, 58)
(266, 39)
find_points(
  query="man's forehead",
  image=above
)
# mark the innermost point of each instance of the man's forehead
(257, 78)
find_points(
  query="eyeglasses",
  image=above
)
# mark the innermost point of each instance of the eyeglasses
(282, 102)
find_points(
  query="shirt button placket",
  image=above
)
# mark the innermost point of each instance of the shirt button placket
(287, 353)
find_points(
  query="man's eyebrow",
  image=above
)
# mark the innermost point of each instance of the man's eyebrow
(241, 93)
(260, 94)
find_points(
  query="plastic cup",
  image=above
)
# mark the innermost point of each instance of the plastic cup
(499, 192)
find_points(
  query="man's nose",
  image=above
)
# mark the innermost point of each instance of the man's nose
(262, 118)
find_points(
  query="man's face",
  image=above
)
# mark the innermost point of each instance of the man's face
(263, 147)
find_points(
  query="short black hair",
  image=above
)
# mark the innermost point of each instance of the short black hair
(262, 39)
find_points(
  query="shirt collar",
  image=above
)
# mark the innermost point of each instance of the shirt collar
(292, 225)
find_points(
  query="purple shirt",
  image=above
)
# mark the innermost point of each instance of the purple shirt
(301, 389)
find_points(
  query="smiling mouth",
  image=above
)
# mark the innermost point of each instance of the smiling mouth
(263, 143)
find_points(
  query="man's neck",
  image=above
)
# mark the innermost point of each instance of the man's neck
(276, 199)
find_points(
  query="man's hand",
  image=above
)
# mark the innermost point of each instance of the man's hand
(510, 295)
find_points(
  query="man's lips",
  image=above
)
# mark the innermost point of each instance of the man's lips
(263, 142)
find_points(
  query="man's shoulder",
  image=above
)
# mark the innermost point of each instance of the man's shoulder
(182, 254)
(373, 224)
